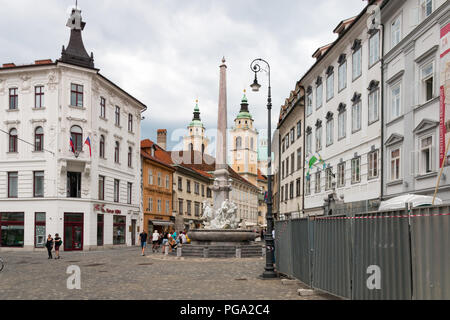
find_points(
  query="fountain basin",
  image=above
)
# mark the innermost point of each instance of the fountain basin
(221, 237)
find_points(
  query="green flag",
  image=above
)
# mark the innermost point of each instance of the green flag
(312, 161)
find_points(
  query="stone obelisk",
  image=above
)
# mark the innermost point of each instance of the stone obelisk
(221, 185)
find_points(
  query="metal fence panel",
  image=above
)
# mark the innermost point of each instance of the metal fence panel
(283, 247)
(331, 270)
(301, 250)
(381, 251)
(430, 238)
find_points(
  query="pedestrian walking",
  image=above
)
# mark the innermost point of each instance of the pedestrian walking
(58, 243)
(183, 238)
(143, 239)
(155, 241)
(165, 241)
(49, 246)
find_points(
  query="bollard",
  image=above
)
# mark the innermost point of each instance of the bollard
(238, 253)
(205, 252)
(166, 250)
(179, 252)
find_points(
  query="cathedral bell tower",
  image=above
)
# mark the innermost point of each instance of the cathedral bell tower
(244, 146)
(195, 140)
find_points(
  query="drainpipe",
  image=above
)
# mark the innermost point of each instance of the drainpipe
(382, 116)
(303, 150)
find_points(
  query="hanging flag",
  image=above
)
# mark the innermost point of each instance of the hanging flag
(322, 162)
(312, 161)
(308, 176)
(88, 142)
(72, 146)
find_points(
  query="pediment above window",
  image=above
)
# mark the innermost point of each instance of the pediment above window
(373, 85)
(330, 70)
(424, 125)
(309, 90)
(329, 115)
(308, 130)
(394, 139)
(356, 45)
(318, 123)
(319, 81)
(342, 107)
(356, 98)
(342, 58)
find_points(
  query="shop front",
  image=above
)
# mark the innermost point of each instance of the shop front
(12, 229)
(73, 231)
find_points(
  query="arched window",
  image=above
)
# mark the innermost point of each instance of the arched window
(77, 137)
(238, 143)
(116, 152)
(102, 146)
(191, 147)
(130, 152)
(13, 140)
(38, 139)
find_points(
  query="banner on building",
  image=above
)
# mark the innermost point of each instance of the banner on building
(444, 91)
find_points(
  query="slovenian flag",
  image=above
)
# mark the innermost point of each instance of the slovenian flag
(72, 146)
(88, 142)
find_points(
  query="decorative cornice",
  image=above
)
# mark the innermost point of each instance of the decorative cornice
(118, 137)
(76, 119)
(424, 125)
(329, 115)
(330, 70)
(342, 59)
(373, 85)
(342, 107)
(318, 123)
(308, 130)
(356, 45)
(356, 98)
(318, 81)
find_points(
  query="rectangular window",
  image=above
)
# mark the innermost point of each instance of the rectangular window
(395, 101)
(150, 205)
(356, 170)
(309, 143)
(308, 186)
(291, 190)
(39, 230)
(427, 8)
(330, 130)
(101, 188)
(130, 122)
(203, 190)
(373, 106)
(167, 206)
(299, 158)
(373, 164)
(342, 76)
(12, 184)
(292, 135)
(12, 229)
(189, 207)
(292, 163)
(197, 209)
(356, 117)
(100, 229)
(299, 129)
(309, 104)
(427, 83)
(425, 160)
(158, 206)
(119, 224)
(159, 179)
(342, 124)
(116, 190)
(287, 166)
(330, 86)
(341, 175)
(395, 164)
(317, 189)
(282, 193)
(13, 99)
(298, 187)
(117, 114)
(180, 184)
(39, 97)
(328, 179)
(129, 192)
(38, 184)
(374, 49)
(286, 139)
(150, 176)
(188, 186)
(318, 139)
(282, 169)
(102, 107)
(196, 188)
(76, 95)
(208, 193)
(396, 31)
(167, 182)
(319, 94)
(73, 184)
(282, 146)
(180, 206)
(286, 189)
(356, 60)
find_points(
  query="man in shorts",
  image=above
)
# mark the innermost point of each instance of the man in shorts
(143, 239)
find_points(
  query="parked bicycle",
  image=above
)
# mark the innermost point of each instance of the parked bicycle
(2, 264)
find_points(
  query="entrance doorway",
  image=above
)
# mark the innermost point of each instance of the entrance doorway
(133, 232)
(73, 231)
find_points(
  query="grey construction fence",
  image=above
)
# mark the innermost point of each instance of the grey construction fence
(390, 255)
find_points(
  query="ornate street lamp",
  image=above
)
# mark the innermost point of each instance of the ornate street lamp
(269, 270)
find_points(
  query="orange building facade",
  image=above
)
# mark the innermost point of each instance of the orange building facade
(157, 189)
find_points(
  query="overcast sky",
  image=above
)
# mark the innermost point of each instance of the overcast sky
(167, 53)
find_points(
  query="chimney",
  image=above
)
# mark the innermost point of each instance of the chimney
(162, 138)
(8, 65)
(46, 61)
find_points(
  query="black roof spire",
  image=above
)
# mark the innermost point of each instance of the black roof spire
(75, 52)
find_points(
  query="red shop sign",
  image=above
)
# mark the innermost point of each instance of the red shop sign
(101, 207)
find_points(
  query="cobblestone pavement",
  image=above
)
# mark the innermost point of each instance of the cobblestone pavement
(123, 274)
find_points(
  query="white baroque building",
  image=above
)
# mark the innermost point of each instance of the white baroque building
(342, 119)
(90, 196)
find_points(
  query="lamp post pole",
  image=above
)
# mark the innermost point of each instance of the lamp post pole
(269, 270)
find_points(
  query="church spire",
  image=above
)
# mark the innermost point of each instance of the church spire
(196, 121)
(75, 52)
(244, 112)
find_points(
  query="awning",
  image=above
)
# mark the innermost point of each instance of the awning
(161, 223)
